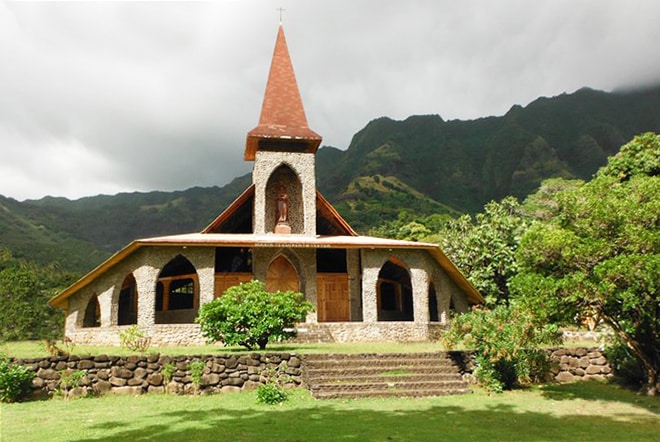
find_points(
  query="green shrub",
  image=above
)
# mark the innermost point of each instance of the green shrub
(248, 315)
(506, 342)
(70, 379)
(167, 371)
(132, 338)
(196, 370)
(15, 381)
(627, 369)
(270, 393)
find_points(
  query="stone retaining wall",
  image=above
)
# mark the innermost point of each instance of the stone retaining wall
(579, 363)
(146, 374)
(569, 364)
(231, 373)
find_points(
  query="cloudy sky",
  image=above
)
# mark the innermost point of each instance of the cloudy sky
(114, 97)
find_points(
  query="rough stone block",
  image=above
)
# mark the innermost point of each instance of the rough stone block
(593, 369)
(230, 389)
(102, 387)
(599, 361)
(155, 379)
(127, 390)
(85, 364)
(140, 373)
(117, 382)
(581, 351)
(583, 362)
(564, 376)
(211, 379)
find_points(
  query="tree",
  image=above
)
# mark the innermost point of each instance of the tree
(598, 255)
(485, 250)
(24, 292)
(248, 315)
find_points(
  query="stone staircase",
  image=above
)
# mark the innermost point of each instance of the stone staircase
(382, 375)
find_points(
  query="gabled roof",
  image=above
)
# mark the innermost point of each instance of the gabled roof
(328, 220)
(283, 124)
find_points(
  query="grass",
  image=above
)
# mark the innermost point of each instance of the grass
(586, 411)
(35, 349)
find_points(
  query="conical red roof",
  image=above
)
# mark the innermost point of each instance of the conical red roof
(283, 124)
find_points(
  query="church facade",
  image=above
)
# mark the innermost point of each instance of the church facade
(280, 230)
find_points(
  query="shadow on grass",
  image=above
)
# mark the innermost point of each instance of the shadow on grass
(599, 390)
(331, 421)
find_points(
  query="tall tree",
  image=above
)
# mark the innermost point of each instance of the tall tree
(597, 254)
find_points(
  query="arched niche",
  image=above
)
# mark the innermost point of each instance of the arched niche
(128, 302)
(177, 292)
(394, 292)
(92, 317)
(433, 303)
(284, 181)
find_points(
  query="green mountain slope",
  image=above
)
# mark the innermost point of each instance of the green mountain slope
(465, 164)
(423, 165)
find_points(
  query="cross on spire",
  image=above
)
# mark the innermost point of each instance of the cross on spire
(281, 11)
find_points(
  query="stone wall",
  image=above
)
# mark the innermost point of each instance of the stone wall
(232, 373)
(579, 363)
(145, 374)
(569, 364)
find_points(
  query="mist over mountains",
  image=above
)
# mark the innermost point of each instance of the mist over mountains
(422, 164)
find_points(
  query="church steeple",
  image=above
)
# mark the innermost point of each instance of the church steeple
(283, 124)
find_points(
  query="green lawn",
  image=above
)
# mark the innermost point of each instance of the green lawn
(586, 411)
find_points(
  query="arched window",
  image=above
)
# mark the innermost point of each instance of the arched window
(92, 316)
(394, 292)
(177, 292)
(433, 303)
(128, 302)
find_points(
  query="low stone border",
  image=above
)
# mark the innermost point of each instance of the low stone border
(569, 364)
(231, 373)
(145, 374)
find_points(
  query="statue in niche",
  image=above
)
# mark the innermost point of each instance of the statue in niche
(282, 225)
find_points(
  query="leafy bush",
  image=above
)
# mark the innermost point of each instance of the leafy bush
(270, 393)
(248, 315)
(196, 370)
(15, 381)
(134, 339)
(506, 342)
(627, 369)
(70, 379)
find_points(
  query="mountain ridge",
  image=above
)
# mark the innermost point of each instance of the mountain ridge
(422, 164)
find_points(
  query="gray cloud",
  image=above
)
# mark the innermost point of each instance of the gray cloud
(109, 97)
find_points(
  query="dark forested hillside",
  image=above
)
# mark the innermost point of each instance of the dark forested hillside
(465, 164)
(423, 165)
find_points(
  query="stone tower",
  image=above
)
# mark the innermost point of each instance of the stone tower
(283, 149)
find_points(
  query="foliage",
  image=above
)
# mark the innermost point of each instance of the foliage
(167, 371)
(196, 370)
(134, 339)
(506, 343)
(15, 381)
(485, 250)
(24, 292)
(626, 366)
(250, 316)
(598, 256)
(270, 394)
(70, 379)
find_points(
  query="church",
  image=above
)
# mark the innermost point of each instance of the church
(282, 231)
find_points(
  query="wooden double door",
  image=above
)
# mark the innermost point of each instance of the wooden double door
(332, 297)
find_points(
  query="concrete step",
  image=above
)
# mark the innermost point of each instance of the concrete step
(382, 375)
